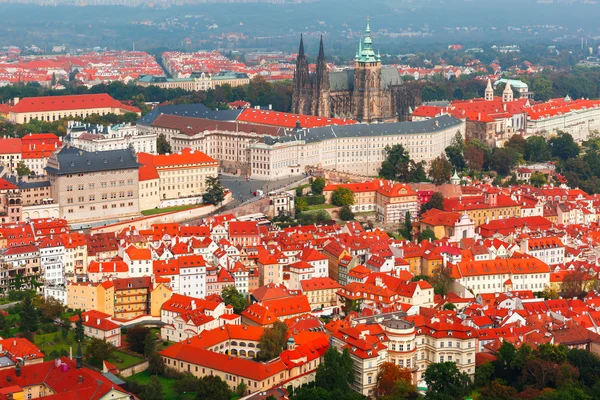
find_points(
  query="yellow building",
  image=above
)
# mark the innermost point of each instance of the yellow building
(160, 294)
(132, 297)
(490, 206)
(180, 174)
(99, 296)
(53, 108)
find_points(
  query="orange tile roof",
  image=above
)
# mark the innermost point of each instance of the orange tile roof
(186, 158)
(286, 120)
(71, 102)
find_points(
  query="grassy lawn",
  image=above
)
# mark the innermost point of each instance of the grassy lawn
(320, 207)
(49, 342)
(166, 383)
(123, 360)
(395, 235)
(155, 211)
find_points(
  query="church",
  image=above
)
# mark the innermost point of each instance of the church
(368, 93)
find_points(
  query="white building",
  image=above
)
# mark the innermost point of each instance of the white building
(52, 253)
(100, 138)
(358, 149)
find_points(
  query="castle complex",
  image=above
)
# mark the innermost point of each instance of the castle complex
(368, 93)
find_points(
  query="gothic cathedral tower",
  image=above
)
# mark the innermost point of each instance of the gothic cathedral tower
(302, 97)
(366, 97)
(321, 100)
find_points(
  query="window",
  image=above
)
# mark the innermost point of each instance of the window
(69, 188)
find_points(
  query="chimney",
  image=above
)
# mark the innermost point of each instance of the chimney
(16, 101)
(18, 369)
(98, 321)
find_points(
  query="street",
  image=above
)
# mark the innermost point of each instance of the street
(243, 190)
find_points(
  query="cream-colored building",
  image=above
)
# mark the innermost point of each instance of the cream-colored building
(98, 296)
(116, 137)
(91, 186)
(197, 81)
(54, 108)
(358, 149)
(182, 174)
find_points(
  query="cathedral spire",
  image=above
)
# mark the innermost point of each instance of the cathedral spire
(301, 49)
(365, 48)
(489, 92)
(321, 50)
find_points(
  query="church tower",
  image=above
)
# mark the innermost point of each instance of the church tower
(366, 96)
(302, 96)
(489, 92)
(507, 95)
(321, 105)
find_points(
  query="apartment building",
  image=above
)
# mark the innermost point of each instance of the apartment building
(99, 296)
(88, 186)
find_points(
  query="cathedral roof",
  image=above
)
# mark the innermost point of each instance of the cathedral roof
(340, 81)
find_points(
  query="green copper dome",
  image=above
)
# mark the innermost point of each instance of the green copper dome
(365, 49)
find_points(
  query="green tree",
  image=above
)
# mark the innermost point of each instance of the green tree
(396, 165)
(475, 155)
(563, 146)
(215, 192)
(231, 296)
(188, 383)
(301, 204)
(538, 179)
(272, 341)
(342, 197)
(153, 390)
(483, 374)
(442, 280)
(149, 345)
(445, 378)
(435, 201)
(449, 306)
(136, 338)
(23, 170)
(335, 373)
(588, 365)
(156, 364)
(406, 231)
(79, 330)
(241, 389)
(455, 152)
(427, 234)
(162, 145)
(317, 185)
(98, 350)
(440, 170)
(346, 213)
(497, 391)
(29, 315)
(518, 143)
(536, 149)
(503, 160)
(542, 87)
(212, 387)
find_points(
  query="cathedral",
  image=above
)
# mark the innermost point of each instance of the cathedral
(368, 93)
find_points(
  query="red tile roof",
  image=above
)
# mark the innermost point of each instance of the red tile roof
(185, 158)
(71, 102)
(285, 120)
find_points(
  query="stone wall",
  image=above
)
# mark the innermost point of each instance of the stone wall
(336, 176)
(134, 369)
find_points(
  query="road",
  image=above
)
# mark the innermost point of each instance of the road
(242, 189)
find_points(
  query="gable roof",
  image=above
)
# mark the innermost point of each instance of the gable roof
(71, 160)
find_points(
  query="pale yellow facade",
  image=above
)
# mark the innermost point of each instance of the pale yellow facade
(91, 296)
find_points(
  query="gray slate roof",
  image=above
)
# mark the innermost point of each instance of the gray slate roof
(189, 110)
(344, 80)
(72, 160)
(347, 131)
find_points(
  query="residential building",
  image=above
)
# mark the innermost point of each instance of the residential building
(99, 296)
(321, 293)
